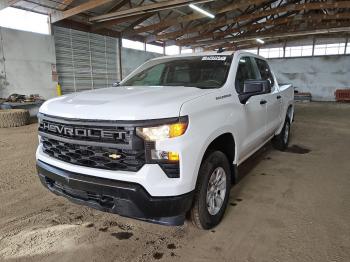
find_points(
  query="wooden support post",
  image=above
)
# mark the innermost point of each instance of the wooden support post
(346, 45)
(313, 46)
(120, 58)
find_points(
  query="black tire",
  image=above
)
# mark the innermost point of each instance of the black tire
(281, 141)
(200, 215)
(13, 117)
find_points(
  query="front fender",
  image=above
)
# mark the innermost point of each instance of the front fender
(208, 119)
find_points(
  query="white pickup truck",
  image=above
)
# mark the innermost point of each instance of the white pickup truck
(167, 140)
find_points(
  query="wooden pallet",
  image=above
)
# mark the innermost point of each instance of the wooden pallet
(342, 95)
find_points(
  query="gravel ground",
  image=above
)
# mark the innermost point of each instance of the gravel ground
(287, 206)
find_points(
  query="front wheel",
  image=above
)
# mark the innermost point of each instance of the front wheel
(212, 191)
(281, 141)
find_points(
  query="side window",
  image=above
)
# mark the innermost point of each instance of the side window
(245, 71)
(265, 71)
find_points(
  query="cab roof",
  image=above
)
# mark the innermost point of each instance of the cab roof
(209, 53)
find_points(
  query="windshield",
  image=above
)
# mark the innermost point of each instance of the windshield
(196, 71)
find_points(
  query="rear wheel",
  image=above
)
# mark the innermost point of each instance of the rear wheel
(281, 141)
(212, 191)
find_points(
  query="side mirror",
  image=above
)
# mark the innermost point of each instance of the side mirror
(253, 88)
(115, 84)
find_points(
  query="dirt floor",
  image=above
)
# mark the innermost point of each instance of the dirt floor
(288, 206)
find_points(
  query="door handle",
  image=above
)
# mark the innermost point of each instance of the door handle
(263, 102)
(278, 97)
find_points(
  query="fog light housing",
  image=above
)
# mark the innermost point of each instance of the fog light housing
(164, 155)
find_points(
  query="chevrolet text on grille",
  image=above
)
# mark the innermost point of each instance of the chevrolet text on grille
(81, 132)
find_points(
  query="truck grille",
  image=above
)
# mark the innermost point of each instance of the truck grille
(94, 156)
(111, 145)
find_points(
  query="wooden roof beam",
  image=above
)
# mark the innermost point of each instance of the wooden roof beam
(317, 30)
(194, 16)
(68, 23)
(118, 5)
(139, 21)
(274, 22)
(164, 5)
(64, 4)
(111, 23)
(286, 8)
(248, 10)
(57, 16)
(253, 44)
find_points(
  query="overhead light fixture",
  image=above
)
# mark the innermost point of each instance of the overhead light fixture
(259, 40)
(201, 10)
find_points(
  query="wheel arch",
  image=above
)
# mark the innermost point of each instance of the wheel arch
(225, 143)
(290, 112)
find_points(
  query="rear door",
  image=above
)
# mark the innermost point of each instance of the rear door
(273, 99)
(254, 110)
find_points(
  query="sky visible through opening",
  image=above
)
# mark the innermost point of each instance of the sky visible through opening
(24, 20)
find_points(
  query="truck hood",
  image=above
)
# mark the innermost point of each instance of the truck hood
(123, 103)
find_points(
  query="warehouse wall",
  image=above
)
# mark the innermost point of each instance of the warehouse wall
(320, 76)
(25, 63)
(85, 61)
(131, 59)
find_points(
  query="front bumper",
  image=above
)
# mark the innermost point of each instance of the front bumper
(120, 197)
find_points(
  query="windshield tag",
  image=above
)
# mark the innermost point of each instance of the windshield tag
(213, 58)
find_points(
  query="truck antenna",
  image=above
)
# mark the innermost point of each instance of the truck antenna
(220, 50)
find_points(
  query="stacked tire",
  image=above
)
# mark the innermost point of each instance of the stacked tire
(13, 117)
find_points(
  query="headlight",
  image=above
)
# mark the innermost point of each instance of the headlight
(162, 132)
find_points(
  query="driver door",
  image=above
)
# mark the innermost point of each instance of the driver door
(254, 110)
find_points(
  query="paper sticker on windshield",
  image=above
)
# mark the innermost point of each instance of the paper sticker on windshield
(214, 58)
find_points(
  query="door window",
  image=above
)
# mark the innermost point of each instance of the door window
(265, 71)
(245, 71)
